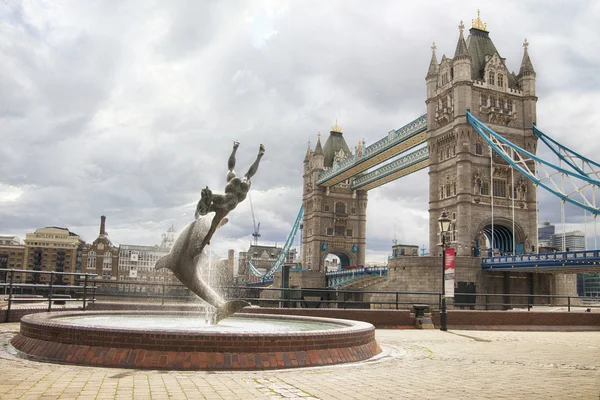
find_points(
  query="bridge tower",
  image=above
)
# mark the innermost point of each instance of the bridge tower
(464, 179)
(334, 218)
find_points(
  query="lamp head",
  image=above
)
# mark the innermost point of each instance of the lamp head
(444, 222)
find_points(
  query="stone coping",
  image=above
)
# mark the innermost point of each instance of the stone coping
(45, 337)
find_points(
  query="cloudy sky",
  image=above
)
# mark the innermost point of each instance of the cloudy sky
(128, 109)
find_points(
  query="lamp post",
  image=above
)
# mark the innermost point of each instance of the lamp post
(444, 223)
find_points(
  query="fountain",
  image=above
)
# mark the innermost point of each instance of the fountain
(187, 340)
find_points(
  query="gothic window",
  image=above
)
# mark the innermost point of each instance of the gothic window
(353, 210)
(442, 192)
(491, 78)
(340, 207)
(447, 190)
(509, 105)
(478, 149)
(326, 207)
(483, 100)
(447, 152)
(444, 102)
(484, 189)
(499, 187)
(453, 151)
(349, 232)
(453, 188)
(329, 231)
(500, 80)
(339, 231)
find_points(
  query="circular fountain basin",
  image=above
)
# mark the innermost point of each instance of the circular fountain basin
(186, 341)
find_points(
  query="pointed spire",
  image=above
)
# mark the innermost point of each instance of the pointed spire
(308, 151)
(526, 66)
(318, 147)
(433, 64)
(461, 47)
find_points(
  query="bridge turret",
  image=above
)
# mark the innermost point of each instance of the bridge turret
(432, 73)
(462, 59)
(526, 80)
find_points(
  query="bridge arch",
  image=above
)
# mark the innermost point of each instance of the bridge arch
(346, 258)
(503, 236)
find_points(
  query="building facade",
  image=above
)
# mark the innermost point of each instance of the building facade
(335, 218)
(12, 256)
(101, 257)
(465, 179)
(261, 257)
(52, 249)
(136, 266)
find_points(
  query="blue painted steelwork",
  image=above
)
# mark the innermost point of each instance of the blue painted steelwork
(393, 138)
(404, 162)
(562, 260)
(338, 278)
(568, 155)
(268, 276)
(492, 138)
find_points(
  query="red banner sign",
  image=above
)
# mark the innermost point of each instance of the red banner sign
(449, 272)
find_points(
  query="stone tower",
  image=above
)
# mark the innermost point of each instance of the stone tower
(334, 218)
(462, 175)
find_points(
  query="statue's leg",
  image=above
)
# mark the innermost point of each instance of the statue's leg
(254, 167)
(231, 161)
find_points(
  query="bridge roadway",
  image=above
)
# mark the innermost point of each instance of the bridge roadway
(396, 142)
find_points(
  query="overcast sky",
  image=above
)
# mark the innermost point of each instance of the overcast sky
(128, 109)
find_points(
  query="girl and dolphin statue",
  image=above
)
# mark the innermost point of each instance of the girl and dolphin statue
(187, 255)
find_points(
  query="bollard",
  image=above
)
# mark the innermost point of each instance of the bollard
(85, 281)
(50, 291)
(10, 293)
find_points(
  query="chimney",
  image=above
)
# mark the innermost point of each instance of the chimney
(102, 225)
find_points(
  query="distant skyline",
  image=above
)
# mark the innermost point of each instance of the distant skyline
(128, 109)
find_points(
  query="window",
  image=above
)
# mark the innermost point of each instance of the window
(107, 264)
(326, 207)
(447, 190)
(484, 189)
(339, 231)
(479, 149)
(453, 188)
(329, 231)
(499, 187)
(353, 210)
(483, 100)
(509, 105)
(500, 80)
(340, 207)
(349, 232)
(91, 262)
(491, 78)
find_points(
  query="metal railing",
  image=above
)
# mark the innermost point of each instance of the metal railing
(55, 290)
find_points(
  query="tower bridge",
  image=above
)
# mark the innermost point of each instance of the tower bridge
(479, 140)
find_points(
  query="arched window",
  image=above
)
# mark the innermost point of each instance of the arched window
(340, 207)
(91, 263)
(500, 80)
(491, 78)
(107, 264)
(483, 100)
(448, 190)
(453, 188)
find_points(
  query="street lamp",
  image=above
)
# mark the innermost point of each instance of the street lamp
(444, 223)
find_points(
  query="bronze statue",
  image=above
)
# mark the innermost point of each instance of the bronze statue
(187, 251)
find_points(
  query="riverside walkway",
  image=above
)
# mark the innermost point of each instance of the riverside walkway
(415, 364)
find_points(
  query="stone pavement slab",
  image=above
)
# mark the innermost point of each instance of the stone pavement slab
(423, 364)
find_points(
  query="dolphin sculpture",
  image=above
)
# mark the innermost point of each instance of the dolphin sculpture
(183, 260)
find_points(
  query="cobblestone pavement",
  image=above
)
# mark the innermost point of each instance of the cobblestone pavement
(423, 364)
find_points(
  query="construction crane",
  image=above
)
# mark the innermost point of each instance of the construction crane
(256, 233)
